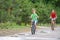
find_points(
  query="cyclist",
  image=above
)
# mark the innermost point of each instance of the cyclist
(53, 17)
(34, 17)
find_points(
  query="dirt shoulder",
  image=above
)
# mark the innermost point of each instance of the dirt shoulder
(5, 32)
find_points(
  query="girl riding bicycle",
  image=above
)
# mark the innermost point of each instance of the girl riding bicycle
(34, 17)
(53, 17)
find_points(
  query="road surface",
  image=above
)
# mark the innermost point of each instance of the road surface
(43, 33)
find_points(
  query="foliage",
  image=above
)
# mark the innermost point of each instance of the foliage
(7, 25)
(19, 11)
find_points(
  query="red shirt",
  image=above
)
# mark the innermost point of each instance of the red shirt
(53, 15)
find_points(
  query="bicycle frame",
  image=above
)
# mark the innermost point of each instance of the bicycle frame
(33, 28)
(52, 24)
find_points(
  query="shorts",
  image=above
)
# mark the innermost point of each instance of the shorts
(35, 21)
(53, 19)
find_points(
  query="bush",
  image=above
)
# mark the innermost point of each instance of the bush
(7, 25)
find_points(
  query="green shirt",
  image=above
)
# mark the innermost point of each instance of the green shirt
(34, 16)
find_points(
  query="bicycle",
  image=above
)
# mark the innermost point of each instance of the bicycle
(52, 25)
(33, 28)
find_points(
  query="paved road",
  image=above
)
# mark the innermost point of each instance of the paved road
(43, 33)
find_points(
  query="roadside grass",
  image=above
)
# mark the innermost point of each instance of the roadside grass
(47, 25)
(9, 25)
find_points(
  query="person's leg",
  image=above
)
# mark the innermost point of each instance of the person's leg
(35, 24)
(52, 24)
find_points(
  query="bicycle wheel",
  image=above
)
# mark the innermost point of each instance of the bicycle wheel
(33, 28)
(52, 26)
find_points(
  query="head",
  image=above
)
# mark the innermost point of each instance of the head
(53, 11)
(33, 10)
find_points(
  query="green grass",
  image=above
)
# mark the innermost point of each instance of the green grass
(9, 25)
(47, 25)
(44, 24)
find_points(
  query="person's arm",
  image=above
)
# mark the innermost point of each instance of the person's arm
(50, 15)
(56, 16)
(37, 16)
